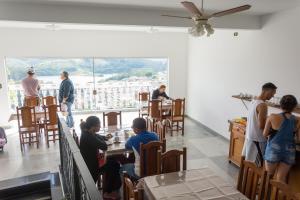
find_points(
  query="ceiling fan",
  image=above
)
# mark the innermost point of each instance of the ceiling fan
(200, 19)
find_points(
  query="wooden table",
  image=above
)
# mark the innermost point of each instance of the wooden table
(194, 184)
(117, 148)
(166, 105)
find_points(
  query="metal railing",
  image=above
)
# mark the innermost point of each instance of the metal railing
(122, 97)
(78, 183)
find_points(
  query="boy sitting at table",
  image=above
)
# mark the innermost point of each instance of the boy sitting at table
(142, 136)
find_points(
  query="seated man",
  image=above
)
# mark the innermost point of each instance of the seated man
(160, 93)
(142, 136)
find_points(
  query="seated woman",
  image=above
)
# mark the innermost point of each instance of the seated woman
(90, 143)
(280, 129)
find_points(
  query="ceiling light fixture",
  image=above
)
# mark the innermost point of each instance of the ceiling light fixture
(200, 29)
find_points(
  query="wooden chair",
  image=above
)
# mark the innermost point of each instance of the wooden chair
(155, 112)
(148, 157)
(31, 101)
(112, 119)
(251, 180)
(28, 128)
(51, 123)
(143, 97)
(150, 125)
(129, 190)
(49, 100)
(280, 191)
(160, 129)
(170, 161)
(177, 115)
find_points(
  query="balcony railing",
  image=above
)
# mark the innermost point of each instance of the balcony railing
(116, 97)
(78, 183)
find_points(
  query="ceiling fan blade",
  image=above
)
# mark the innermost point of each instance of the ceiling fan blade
(176, 16)
(231, 11)
(192, 8)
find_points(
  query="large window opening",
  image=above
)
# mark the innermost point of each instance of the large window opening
(115, 80)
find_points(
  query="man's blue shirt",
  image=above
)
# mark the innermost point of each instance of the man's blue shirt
(143, 137)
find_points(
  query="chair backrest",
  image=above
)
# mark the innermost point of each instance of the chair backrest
(155, 109)
(160, 129)
(251, 180)
(178, 107)
(150, 124)
(26, 117)
(111, 118)
(279, 191)
(129, 191)
(31, 101)
(51, 114)
(170, 161)
(144, 96)
(148, 157)
(49, 100)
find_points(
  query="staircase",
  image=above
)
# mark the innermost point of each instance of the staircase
(42, 186)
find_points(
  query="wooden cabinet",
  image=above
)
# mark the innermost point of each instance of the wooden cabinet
(237, 139)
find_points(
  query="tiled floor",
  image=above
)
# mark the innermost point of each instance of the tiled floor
(203, 149)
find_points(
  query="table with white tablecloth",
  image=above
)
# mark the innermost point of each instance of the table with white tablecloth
(196, 184)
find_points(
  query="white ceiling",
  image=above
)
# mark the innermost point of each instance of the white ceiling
(259, 7)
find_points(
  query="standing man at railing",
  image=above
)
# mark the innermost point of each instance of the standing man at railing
(31, 86)
(66, 96)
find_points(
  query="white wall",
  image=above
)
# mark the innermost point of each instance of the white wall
(71, 43)
(224, 65)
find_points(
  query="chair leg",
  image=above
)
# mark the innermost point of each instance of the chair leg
(182, 128)
(54, 135)
(46, 137)
(21, 145)
(171, 127)
(37, 140)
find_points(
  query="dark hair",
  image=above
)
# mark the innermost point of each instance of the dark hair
(288, 103)
(90, 122)
(162, 87)
(30, 73)
(66, 74)
(112, 172)
(139, 123)
(269, 86)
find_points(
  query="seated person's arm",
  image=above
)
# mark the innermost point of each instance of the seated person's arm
(101, 137)
(268, 126)
(128, 144)
(165, 95)
(99, 142)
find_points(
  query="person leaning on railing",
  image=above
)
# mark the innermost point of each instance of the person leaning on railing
(90, 143)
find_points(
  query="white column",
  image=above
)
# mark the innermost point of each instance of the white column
(4, 103)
